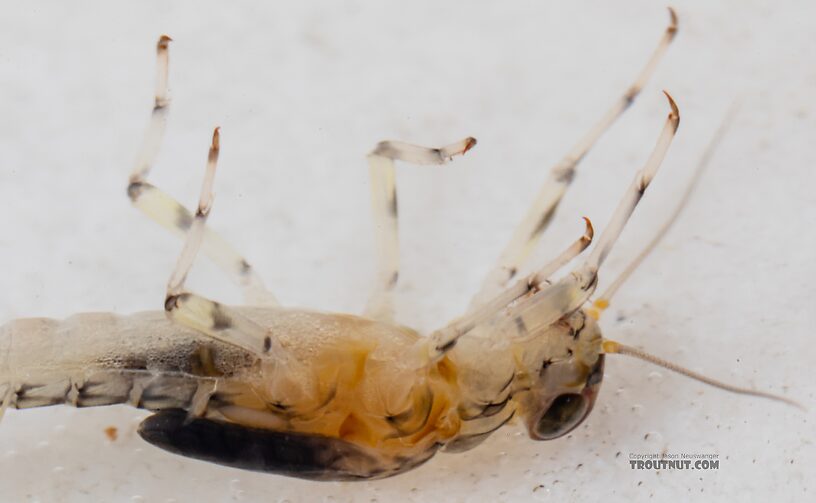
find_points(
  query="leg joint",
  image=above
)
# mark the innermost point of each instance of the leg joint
(136, 188)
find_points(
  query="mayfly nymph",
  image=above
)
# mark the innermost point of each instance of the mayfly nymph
(337, 396)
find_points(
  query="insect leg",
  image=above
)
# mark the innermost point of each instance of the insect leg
(172, 215)
(204, 315)
(7, 398)
(384, 205)
(525, 286)
(602, 302)
(636, 190)
(539, 311)
(540, 214)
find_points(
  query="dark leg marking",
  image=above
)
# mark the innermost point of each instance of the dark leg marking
(393, 281)
(511, 273)
(183, 218)
(171, 301)
(521, 326)
(447, 346)
(245, 267)
(393, 208)
(542, 224)
(135, 189)
(222, 321)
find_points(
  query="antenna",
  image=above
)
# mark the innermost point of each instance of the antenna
(612, 347)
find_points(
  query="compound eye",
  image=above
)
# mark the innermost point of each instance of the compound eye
(565, 413)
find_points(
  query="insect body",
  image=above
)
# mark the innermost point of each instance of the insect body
(337, 396)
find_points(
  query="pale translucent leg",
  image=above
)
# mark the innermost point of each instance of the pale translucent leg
(540, 310)
(8, 392)
(540, 214)
(204, 315)
(602, 302)
(529, 285)
(384, 206)
(172, 215)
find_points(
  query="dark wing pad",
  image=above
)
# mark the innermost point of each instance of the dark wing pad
(292, 454)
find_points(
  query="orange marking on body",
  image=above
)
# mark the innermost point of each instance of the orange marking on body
(356, 430)
(597, 308)
(447, 370)
(360, 358)
(610, 347)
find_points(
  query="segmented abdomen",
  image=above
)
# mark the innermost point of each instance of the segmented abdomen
(140, 389)
(96, 359)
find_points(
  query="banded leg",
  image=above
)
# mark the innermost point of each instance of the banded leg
(540, 214)
(199, 313)
(529, 285)
(172, 215)
(540, 310)
(602, 302)
(384, 206)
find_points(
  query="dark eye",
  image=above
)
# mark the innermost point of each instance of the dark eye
(565, 413)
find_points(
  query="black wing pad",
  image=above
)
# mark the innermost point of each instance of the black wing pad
(292, 454)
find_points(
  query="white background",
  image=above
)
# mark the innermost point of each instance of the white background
(303, 92)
